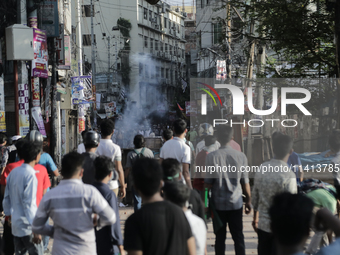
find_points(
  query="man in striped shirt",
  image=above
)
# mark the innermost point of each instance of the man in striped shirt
(71, 205)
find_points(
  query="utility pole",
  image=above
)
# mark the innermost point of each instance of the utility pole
(109, 60)
(93, 43)
(116, 54)
(249, 77)
(228, 62)
(337, 41)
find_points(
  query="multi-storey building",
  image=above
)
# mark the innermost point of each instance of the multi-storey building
(149, 62)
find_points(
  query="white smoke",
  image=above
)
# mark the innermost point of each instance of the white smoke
(145, 104)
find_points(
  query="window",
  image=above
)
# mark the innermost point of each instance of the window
(202, 3)
(140, 69)
(165, 20)
(178, 28)
(87, 40)
(150, 15)
(156, 19)
(146, 71)
(86, 10)
(183, 53)
(161, 46)
(162, 72)
(145, 42)
(217, 33)
(167, 74)
(151, 43)
(156, 45)
(145, 13)
(157, 71)
(166, 48)
(170, 49)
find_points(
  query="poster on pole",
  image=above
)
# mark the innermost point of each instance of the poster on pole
(35, 92)
(24, 124)
(40, 61)
(110, 109)
(81, 122)
(221, 70)
(36, 114)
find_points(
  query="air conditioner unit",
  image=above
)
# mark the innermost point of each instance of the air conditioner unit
(177, 9)
(153, 20)
(185, 14)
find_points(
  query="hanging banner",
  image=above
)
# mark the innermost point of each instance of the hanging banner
(59, 46)
(40, 61)
(67, 54)
(36, 114)
(35, 92)
(81, 126)
(221, 70)
(190, 108)
(49, 18)
(24, 124)
(98, 97)
(110, 109)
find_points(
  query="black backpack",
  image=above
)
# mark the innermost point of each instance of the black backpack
(139, 154)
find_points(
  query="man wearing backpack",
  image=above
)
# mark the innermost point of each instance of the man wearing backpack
(140, 151)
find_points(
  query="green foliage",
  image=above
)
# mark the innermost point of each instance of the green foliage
(300, 32)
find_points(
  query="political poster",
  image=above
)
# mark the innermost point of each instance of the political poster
(40, 61)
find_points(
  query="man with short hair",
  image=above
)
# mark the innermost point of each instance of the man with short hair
(109, 239)
(179, 194)
(159, 227)
(290, 219)
(140, 151)
(226, 190)
(178, 149)
(167, 134)
(73, 234)
(267, 184)
(91, 142)
(109, 149)
(20, 201)
(172, 173)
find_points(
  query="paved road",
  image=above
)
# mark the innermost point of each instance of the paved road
(249, 234)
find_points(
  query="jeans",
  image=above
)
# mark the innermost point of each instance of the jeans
(24, 244)
(137, 200)
(8, 245)
(45, 240)
(266, 245)
(234, 219)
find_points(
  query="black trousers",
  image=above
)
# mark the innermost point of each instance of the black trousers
(8, 244)
(234, 220)
(266, 245)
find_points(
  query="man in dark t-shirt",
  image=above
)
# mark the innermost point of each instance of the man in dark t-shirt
(91, 142)
(159, 227)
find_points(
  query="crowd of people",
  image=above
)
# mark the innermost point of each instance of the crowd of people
(81, 213)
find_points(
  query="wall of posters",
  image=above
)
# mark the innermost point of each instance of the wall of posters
(40, 61)
(2, 122)
(24, 124)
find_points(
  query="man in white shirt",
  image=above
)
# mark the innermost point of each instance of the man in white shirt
(274, 177)
(179, 194)
(176, 148)
(111, 150)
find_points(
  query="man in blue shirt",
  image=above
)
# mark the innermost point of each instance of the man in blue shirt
(20, 201)
(109, 239)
